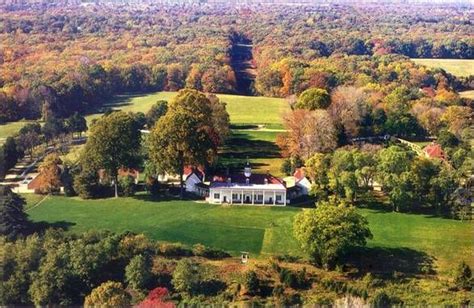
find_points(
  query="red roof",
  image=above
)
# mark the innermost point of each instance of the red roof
(434, 150)
(254, 179)
(188, 170)
(299, 174)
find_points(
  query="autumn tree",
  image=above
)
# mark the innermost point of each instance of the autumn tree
(108, 294)
(113, 143)
(50, 174)
(348, 108)
(309, 132)
(185, 135)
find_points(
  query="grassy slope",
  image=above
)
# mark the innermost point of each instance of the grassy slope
(260, 230)
(457, 67)
(258, 146)
(242, 109)
(10, 129)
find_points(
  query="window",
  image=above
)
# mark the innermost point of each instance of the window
(278, 198)
(217, 196)
(235, 197)
(259, 197)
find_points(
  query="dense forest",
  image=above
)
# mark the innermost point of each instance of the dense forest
(63, 60)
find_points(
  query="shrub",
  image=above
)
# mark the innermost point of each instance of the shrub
(174, 250)
(138, 272)
(127, 185)
(278, 290)
(186, 277)
(252, 283)
(381, 299)
(463, 277)
(108, 294)
(153, 186)
(200, 250)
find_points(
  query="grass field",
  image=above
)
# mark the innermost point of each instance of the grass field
(242, 109)
(457, 67)
(258, 146)
(260, 230)
(9, 129)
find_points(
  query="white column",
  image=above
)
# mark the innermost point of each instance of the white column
(242, 197)
(284, 199)
(274, 197)
(253, 197)
(231, 196)
(263, 198)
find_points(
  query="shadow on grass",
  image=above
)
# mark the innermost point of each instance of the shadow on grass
(243, 126)
(42, 226)
(390, 262)
(238, 147)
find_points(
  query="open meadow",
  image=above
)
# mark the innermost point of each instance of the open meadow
(260, 230)
(242, 109)
(9, 129)
(457, 67)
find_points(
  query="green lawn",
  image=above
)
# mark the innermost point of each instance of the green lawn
(9, 129)
(258, 146)
(457, 67)
(260, 230)
(242, 109)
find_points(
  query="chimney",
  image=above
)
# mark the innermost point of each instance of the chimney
(247, 181)
(229, 180)
(266, 181)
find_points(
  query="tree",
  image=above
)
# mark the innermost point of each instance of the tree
(313, 98)
(463, 277)
(76, 124)
(86, 183)
(13, 220)
(11, 152)
(29, 137)
(156, 111)
(113, 143)
(157, 297)
(329, 231)
(309, 132)
(220, 117)
(348, 108)
(53, 127)
(185, 135)
(317, 168)
(50, 174)
(457, 118)
(138, 272)
(187, 277)
(109, 294)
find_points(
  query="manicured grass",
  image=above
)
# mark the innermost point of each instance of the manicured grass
(258, 146)
(260, 230)
(242, 109)
(457, 67)
(31, 200)
(9, 129)
(449, 241)
(235, 229)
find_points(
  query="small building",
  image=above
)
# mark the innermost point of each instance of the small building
(248, 188)
(194, 181)
(434, 150)
(302, 181)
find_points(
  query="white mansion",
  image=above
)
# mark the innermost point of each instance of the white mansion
(245, 188)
